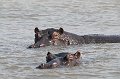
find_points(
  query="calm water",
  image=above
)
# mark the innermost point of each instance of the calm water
(18, 18)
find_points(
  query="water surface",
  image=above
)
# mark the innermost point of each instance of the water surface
(18, 18)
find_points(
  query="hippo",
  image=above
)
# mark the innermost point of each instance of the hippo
(55, 37)
(60, 60)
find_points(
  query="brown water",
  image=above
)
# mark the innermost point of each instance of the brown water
(18, 18)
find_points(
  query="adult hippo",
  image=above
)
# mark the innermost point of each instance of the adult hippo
(60, 60)
(53, 36)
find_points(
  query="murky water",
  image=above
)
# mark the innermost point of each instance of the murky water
(18, 18)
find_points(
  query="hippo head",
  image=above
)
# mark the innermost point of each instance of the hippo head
(55, 61)
(49, 37)
(66, 56)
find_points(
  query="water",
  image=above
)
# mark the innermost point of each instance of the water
(18, 18)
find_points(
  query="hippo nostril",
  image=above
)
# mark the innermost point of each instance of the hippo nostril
(41, 66)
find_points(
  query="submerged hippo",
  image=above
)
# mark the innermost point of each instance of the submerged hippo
(60, 60)
(53, 36)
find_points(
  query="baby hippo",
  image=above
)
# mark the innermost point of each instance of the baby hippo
(60, 60)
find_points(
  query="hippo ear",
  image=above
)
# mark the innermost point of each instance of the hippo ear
(49, 53)
(48, 57)
(77, 55)
(36, 30)
(61, 31)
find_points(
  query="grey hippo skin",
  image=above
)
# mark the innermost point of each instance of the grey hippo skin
(60, 60)
(53, 36)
